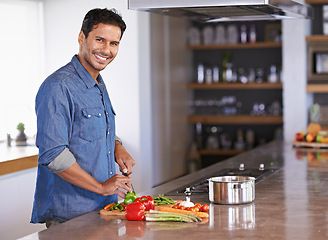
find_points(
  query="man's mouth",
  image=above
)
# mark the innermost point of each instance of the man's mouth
(102, 58)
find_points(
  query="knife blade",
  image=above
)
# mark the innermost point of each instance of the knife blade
(125, 174)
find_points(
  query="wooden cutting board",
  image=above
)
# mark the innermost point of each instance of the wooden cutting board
(304, 144)
(117, 214)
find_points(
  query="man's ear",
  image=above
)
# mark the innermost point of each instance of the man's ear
(81, 37)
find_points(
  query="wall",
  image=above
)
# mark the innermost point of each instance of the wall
(169, 102)
(296, 100)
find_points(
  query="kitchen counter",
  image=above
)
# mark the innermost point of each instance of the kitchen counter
(290, 204)
(17, 158)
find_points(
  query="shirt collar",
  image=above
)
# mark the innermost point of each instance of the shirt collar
(84, 74)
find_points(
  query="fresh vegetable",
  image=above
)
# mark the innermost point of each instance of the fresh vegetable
(187, 204)
(109, 205)
(174, 210)
(159, 216)
(205, 208)
(130, 197)
(147, 201)
(161, 200)
(135, 211)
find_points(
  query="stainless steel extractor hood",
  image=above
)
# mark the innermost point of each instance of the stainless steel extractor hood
(225, 10)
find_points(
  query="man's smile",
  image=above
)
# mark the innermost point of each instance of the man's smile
(100, 57)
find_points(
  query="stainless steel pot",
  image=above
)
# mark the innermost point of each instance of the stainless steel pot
(231, 189)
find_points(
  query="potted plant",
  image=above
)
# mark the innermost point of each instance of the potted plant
(21, 137)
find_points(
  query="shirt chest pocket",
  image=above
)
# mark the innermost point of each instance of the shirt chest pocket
(93, 124)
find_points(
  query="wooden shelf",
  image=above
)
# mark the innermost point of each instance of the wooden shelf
(235, 86)
(317, 38)
(235, 119)
(236, 46)
(316, 1)
(221, 152)
(317, 88)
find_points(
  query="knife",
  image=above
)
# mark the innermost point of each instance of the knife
(125, 174)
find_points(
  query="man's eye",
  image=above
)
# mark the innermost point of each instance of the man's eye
(99, 39)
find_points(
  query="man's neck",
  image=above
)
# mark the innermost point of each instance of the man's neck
(93, 73)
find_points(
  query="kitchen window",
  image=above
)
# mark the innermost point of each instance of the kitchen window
(21, 64)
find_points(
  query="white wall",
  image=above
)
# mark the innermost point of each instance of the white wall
(295, 98)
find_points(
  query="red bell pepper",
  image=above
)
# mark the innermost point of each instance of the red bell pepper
(148, 202)
(135, 211)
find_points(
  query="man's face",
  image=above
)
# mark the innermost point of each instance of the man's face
(99, 48)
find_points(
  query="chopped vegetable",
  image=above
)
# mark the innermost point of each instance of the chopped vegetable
(130, 197)
(135, 211)
(116, 207)
(109, 205)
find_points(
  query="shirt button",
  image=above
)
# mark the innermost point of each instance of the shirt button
(99, 114)
(108, 152)
(106, 113)
(89, 116)
(111, 172)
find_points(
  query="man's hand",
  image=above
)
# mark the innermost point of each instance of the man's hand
(77, 176)
(123, 159)
(114, 184)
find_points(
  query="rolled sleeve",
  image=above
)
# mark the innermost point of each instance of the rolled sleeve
(118, 139)
(63, 161)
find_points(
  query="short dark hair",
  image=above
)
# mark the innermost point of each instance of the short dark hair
(105, 16)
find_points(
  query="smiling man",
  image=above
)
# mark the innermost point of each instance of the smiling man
(76, 129)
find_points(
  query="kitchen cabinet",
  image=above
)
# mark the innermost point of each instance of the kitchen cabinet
(206, 107)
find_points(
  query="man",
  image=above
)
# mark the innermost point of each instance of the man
(76, 129)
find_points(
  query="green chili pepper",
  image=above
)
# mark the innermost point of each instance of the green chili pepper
(120, 207)
(130, 197)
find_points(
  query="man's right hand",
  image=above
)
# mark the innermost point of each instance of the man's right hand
(77, 176)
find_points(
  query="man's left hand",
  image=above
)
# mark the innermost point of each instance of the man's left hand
(123, 159)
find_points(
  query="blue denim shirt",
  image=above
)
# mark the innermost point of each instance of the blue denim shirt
(74, 113)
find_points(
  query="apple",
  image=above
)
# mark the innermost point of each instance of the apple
(310, 137)
(299, 136)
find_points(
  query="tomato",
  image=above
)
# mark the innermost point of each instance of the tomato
(198, 205)
(194, 209)
(205, 208)
(197, 209)
(188, 208)
(182, 207)
(175, 206)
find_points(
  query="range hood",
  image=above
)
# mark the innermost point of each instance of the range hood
(225, 10)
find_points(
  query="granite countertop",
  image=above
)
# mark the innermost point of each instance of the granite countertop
(290, 204)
